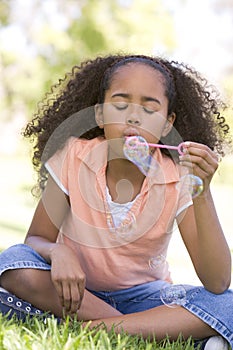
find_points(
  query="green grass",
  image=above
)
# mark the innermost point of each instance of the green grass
(35, 335)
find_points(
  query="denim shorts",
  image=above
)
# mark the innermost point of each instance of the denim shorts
(214, 309)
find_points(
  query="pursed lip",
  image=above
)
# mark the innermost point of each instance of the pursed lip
(131, 132)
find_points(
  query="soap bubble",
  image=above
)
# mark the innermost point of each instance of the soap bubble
(148, 166)
(193, 183)
(156, 261)
(173, 295)
(196, 185)
(136, 149)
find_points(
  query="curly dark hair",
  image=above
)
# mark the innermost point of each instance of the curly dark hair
(196, 104)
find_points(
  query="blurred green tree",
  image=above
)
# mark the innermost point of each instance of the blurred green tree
(4, 12)
(42, 40)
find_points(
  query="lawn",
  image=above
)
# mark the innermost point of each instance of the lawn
(35, 335)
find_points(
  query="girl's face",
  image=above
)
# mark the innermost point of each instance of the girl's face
(135, 104)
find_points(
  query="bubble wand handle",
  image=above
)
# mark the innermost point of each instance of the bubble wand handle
(133, 142)
(179, 148)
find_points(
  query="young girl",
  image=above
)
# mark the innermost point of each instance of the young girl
(97, 244)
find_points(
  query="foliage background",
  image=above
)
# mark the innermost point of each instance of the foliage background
(40, 40)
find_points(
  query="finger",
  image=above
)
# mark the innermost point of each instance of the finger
(202, 156)
(202, 151)
(206, 172)
(75, 298)
(195, 155)
(81, 291)
(77, 292)
(67, 297)
(59, 289)
(197, 163)
(197, 171)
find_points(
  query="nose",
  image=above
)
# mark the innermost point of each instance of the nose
(133, 118)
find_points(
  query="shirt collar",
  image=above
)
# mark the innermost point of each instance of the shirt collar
(95, 155)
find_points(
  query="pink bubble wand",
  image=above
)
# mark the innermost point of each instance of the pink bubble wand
(179, 148)
(136, 149)
(134, 141)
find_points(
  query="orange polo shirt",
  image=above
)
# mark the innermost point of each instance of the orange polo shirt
(113, 260)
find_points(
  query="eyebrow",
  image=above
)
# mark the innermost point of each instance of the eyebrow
(145, 98)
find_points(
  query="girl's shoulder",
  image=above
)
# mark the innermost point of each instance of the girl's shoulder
(92, 152)
(79, 144)
(75, 150)
(84, 149)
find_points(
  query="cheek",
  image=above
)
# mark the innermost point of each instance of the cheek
(154, 126)
(113, 130)
(152, 136)
(113, 116)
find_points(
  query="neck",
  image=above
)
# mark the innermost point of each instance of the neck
(124, 180)
(124, 169)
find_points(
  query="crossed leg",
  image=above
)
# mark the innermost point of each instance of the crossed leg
(160, 321)
(36, 287)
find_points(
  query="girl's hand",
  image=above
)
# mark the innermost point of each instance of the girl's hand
(202, 161)
(67, 277)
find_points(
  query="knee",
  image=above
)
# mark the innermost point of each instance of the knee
(19, 280)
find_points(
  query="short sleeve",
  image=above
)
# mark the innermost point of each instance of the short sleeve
(58, 165)
(185, 197)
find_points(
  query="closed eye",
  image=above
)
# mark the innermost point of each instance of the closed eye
(148, 110)
(120, 105)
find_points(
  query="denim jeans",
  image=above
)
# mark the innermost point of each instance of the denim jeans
(214, 309)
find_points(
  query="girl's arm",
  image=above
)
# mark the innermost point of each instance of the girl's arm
(200, 227)
(66, 272)
(47, 219)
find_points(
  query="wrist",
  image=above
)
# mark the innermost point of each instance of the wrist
(54, 247)
(58, 250)
(205, 195)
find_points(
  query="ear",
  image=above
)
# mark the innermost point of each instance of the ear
(169, 124)
(99, 115)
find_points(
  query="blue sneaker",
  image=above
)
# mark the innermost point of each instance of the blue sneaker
(12, 306)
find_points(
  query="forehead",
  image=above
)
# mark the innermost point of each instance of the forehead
(135, 73)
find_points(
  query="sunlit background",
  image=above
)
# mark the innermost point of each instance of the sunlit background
(40, 40)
